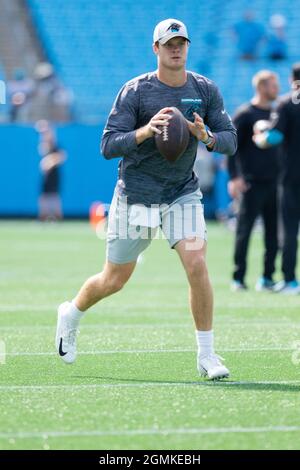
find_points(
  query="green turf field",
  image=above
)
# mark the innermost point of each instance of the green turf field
(135, 384)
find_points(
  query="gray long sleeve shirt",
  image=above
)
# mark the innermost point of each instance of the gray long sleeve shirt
(146, 177)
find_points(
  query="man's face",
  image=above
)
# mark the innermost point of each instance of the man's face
(173, 54)
(270, 89)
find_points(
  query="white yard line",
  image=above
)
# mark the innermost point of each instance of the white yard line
(22, 307)
(100, 352)
(145, 384)
(150, 351)
(163, 432)
(134, 310)
(98, 326)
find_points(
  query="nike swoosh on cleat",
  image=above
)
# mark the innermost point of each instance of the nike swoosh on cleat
(61, 352)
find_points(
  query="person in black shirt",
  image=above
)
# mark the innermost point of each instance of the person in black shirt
(52, 158)
(285, 130)
(253, 180)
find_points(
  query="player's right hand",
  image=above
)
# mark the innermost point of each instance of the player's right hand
(160, 119)
(236, 187)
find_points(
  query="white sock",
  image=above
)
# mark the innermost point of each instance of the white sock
(74, 314)
(205, 341)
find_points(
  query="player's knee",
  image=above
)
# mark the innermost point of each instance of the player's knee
(196, 268)
(116, 276)
(116, 283)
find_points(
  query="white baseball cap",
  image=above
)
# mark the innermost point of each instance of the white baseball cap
(168, 29)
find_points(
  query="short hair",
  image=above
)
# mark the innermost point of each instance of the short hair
(262, 77)
(296, 71)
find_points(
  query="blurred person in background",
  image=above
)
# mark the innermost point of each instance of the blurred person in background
(253, 176)
(248, 34)
(52, 157)
(222, 199)
(52, 99)
(20, 92)
(205, 169)
(285, 130)
(276, 39)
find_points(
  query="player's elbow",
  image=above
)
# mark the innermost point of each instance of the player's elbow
(110, 147)
(104, 149)
(232, 144)
(105, 154)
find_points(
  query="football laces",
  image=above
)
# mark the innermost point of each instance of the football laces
(165, 134)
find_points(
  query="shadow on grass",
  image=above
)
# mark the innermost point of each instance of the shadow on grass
(239, 385)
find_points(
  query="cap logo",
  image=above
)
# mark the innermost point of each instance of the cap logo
(174, 27)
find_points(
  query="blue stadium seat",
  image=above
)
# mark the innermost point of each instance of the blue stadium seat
(97, 46)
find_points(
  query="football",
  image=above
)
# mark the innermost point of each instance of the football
(174, 139)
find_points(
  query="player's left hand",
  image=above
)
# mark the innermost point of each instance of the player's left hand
(197, 128)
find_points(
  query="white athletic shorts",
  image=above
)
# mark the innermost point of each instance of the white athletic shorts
(131, 228)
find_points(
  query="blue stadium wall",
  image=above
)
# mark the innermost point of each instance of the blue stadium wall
(86, 175)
